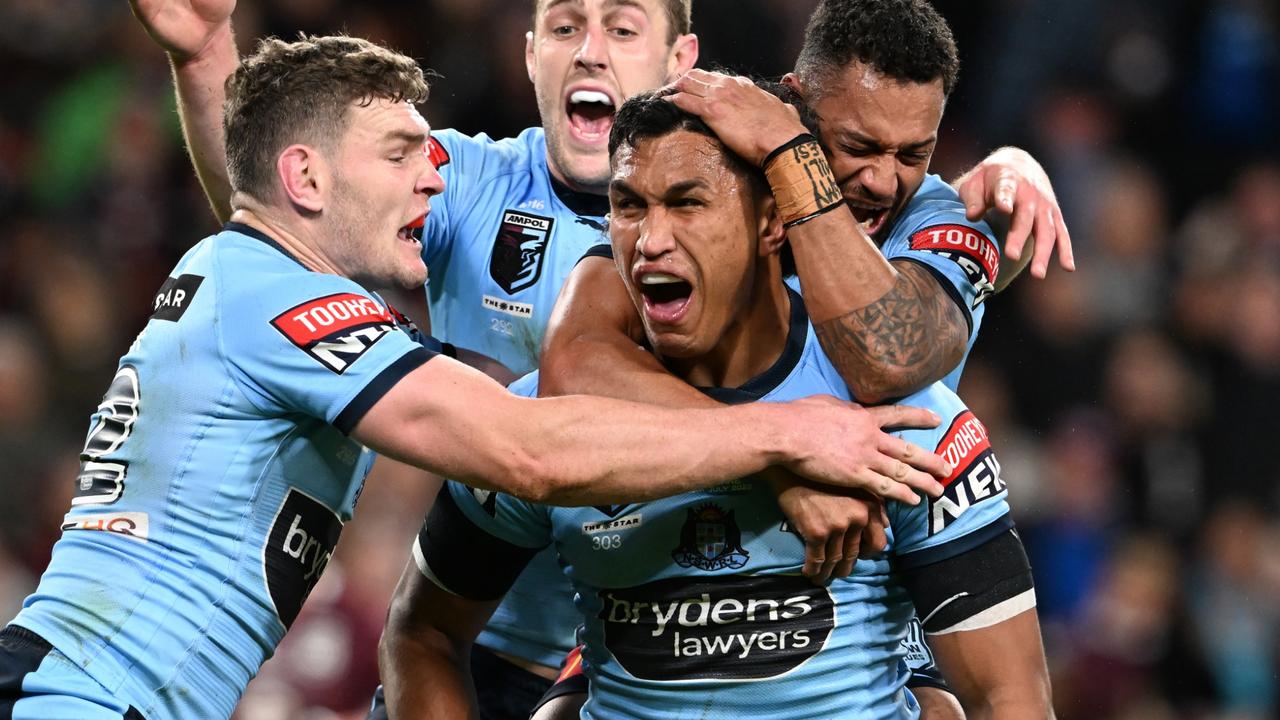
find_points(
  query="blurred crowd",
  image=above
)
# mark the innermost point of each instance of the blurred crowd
(1130, 402)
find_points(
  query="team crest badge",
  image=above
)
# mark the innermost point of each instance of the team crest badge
(710, 540)
(519, 250)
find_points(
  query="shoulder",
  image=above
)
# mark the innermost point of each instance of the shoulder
(453, 151)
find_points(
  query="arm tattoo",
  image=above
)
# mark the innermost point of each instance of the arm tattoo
(913, 335)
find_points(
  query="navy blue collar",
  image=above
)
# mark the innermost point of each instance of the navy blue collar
(257, 234)
(585, 204)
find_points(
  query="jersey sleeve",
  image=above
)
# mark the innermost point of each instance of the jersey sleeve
(973, 507)
(963, 255)
(475, 543)
(463, 163)
(314, 344)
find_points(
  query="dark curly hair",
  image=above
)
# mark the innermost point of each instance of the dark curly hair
(290, 92)
(647, 115)
(906, 40)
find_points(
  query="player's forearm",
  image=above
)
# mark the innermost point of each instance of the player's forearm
(200, 84)
(909, 337)
(422, 679)
(613, 366)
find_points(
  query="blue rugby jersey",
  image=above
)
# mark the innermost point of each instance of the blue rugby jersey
(500, 242)
(695, 606)
(217, 475)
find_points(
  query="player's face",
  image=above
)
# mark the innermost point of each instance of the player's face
(880, 134)
(585, 57)
(382, 180)
(685, 228)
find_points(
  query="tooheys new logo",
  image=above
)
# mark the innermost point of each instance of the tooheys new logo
(337, 329)
(969, 248)
(734, 627)
(976, 473)
(298, 549)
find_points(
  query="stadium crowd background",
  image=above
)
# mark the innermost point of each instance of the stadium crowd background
(1132, 404)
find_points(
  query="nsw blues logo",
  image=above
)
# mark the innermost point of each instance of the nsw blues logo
(710, 540)
(519, 250)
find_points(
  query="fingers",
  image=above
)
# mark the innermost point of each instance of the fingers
(852, 543)
(1045, 234)
(903, 416)
(905, 476)
(1066, 257)
(1024, 215)
(973, 193)
(815, 558)
(915, 456)
(873, 538)
(1003, 191)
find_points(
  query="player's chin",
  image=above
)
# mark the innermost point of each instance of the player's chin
(585, 168)
(411, 275)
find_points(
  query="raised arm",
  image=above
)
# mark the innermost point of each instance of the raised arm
(889, 327)
(197, 36)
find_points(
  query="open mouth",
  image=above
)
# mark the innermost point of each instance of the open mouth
(590, 115)
(666, 297)
(872, 219)
(409, 233)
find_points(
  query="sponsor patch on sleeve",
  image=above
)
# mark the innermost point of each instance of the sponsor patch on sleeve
(335, 330)
(436, 153)
(174, 297)
(969, 248)
(975, 475)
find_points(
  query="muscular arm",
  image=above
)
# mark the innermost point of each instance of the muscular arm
(197, 36)
(452, 420)
(425, 651)
(998, 672)
(889, 327)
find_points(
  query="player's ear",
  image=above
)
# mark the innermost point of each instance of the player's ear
(303, 176)
(683, 56)
(769, 226)
(792, 81)
(530, 62)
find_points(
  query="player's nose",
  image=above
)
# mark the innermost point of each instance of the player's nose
(591, 53)
(430, 181)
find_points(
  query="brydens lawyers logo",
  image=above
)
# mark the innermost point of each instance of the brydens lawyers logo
(299, 546)
(335, 330)
(976, 473)
(969, 248)
(734, 627)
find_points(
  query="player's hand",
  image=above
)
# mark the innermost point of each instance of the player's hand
(937, 704)
(184, 28)
(1010, 181)
(843, 444)
(837, 526)
(748, 120)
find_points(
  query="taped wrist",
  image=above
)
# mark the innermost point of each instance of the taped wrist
(801, 180)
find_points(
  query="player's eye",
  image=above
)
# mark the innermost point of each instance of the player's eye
(563, 30)
(623, 32)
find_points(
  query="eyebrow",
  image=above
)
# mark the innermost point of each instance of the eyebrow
(684, 186)
(871, 142)
(412, 138)
(608, 6)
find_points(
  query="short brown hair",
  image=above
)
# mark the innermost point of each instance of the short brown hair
(300, 91)
(679, 17)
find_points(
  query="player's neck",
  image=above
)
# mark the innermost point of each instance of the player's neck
(576, 186)
(752, 342)
(297, 243)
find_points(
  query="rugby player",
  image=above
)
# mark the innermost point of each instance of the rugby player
(234, 440)
(694, 605)
(515, 217)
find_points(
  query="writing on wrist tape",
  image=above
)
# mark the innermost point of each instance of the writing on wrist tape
(801, 180)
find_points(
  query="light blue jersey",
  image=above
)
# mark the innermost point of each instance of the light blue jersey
(217, 475)
(500, 242)
(695, 606)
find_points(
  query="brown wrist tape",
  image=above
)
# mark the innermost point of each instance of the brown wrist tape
(802, 183)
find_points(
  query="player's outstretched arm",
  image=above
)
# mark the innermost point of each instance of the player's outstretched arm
(197, 36)
(1013, 191)
(425, 650)
(998, 672)
(578, 450)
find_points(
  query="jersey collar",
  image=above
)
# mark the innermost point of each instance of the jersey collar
(765, 383)
(580, 203)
